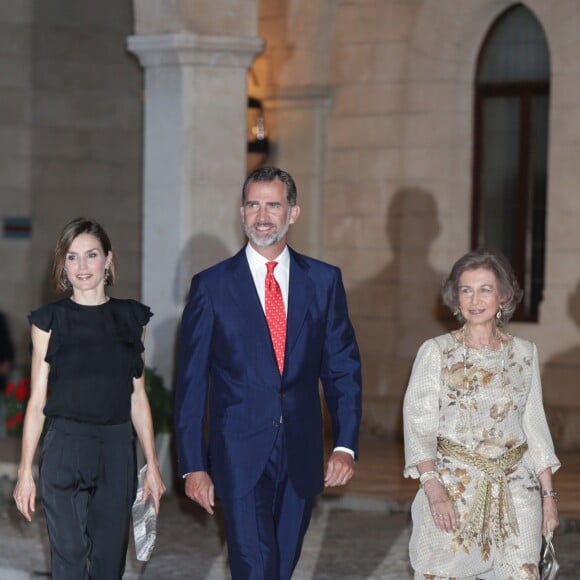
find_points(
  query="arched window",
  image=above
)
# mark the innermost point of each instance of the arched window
(511, 149)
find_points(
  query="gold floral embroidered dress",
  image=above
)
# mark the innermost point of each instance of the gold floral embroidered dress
(490, 402)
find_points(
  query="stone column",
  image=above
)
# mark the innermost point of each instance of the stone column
(194, 164)
(296, 121)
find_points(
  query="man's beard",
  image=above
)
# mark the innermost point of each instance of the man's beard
(264, 241)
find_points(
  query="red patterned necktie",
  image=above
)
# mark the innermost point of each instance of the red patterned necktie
(275, 314)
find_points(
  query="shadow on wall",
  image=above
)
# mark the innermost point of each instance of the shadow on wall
(560, 380)
(399, 308)
(199, 253)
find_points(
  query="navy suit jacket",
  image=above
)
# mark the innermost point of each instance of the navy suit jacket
(229, 376)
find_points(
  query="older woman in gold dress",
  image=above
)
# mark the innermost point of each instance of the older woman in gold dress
(476, 436)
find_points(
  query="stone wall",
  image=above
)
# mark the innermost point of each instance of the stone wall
(71, 139)
(399, 175)
(397, 172)
(15, 158)
(369, 103)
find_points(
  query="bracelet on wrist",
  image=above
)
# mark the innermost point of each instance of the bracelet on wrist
(550, 493)
(428, 475)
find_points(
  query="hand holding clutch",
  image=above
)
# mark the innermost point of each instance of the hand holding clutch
(549, 565)
(144, 521)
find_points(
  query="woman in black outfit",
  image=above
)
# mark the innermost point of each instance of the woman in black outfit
(87, 379)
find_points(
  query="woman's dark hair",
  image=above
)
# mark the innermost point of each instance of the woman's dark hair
(271, 174)
(494, 261)
(73, 229)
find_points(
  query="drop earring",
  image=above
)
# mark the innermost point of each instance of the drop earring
(64, 279)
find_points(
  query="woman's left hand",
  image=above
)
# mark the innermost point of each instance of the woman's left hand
(153, 485)
(550, 519)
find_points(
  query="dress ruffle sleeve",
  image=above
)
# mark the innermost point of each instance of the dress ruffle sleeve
(140, 315)
(42, 317)
(421, 408)
(141, 312)
(46, 318)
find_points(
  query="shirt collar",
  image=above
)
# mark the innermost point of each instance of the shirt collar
(255, 259)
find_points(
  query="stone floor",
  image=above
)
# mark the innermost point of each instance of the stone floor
(360, 533)
(348, 539)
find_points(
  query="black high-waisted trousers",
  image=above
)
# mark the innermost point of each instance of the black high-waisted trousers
(87, 487)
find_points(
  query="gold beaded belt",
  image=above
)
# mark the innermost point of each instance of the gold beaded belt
(493, 487)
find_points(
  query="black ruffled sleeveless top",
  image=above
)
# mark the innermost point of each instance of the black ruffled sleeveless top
(94, 352)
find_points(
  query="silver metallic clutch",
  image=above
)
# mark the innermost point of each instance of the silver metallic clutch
(549, 565)
(144, 521)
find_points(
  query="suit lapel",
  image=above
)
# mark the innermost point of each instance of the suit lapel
(300, 293)
(243, 292)
(244, 295)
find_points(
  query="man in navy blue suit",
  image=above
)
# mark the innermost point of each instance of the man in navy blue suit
(264, 446)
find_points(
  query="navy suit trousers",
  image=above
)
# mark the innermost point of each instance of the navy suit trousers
(266, 527)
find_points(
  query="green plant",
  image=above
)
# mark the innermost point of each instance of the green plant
(159, 401)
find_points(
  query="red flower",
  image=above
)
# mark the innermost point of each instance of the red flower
(14, 421)
(23, 390)
(17, 395)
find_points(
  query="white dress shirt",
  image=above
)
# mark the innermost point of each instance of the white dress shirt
(257, 264)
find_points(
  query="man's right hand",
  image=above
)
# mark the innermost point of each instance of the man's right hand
(199, 488)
